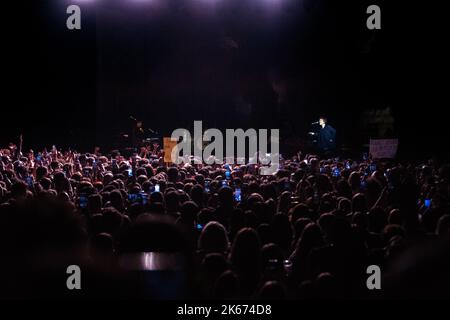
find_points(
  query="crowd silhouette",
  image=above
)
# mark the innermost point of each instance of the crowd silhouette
(139, 227)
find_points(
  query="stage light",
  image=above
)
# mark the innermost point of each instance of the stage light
(142, 1)
(206, 1)
(272, 2)
(273, 7)
(82, 1)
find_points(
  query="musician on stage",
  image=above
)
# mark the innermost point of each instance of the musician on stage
(138, 134)
(326, 137)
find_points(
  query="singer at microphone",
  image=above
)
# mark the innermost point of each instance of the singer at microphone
(326, 140)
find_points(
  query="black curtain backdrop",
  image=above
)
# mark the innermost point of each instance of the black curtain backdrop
(237, 67)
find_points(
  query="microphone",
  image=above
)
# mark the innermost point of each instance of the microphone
(132, 118)
(317, 122)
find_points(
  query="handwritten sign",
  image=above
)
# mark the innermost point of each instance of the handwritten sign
(383, 148)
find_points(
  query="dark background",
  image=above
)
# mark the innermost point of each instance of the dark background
(182, 61)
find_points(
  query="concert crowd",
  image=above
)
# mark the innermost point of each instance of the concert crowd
(139, 227)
